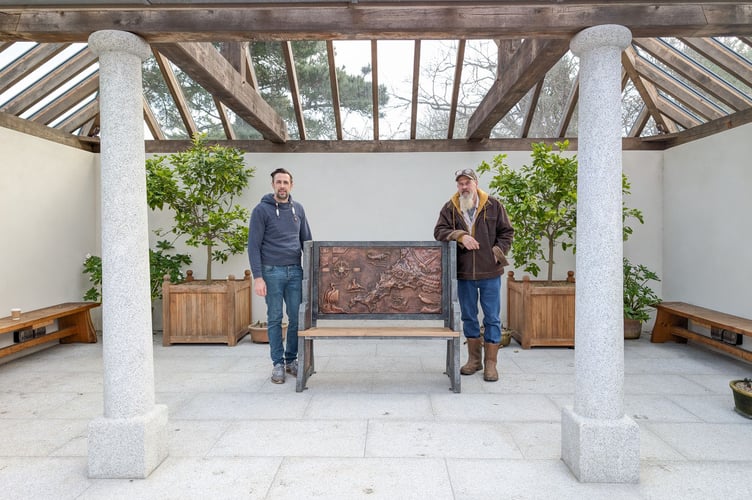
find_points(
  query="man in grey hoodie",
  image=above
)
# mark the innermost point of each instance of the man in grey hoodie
(277, 230)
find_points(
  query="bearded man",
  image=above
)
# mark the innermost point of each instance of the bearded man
(480, 226)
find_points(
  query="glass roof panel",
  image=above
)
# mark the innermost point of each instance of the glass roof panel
(353, 61)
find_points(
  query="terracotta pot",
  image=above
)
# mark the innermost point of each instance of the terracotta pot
(259, 334)
(632, 328)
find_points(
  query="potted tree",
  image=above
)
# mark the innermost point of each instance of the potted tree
(541, 199)
(742, 390)
(199, 186)
(638, 297)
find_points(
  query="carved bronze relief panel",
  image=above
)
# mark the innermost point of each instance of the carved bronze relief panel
(379, 280)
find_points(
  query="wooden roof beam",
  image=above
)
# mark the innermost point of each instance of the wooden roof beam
(208, 68)
(677, 89)
(532, 105)
(66, 101)
(416, 88)
(694, 72)
(366, 20)
(529, 65)
(28, 62)
(176, 91)
(292, 79)
(724, 57)
(647, 91)
(334, 83)
(456, 87)
(50, 82)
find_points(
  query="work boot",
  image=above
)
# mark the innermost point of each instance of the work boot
(291, 367)
(278, 373)
(489, 361)
(474, 361)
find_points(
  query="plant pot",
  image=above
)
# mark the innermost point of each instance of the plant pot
(260, 335)
(200, 311)
(742, 399)
(632, 328)
(541, 314)
(506, 337)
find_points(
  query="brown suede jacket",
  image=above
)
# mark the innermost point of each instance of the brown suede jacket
(491, 229)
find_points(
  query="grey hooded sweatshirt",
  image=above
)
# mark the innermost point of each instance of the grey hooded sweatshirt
(276, 234)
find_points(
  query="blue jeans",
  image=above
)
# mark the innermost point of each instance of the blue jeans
(489, 291)
(283, 283)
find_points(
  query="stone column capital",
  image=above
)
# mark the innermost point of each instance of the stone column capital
(104, 41)
(605, 35)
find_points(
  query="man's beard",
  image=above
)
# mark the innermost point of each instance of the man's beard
(281, 195)
(466, 202)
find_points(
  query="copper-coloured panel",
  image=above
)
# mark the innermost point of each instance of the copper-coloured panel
(379, 280)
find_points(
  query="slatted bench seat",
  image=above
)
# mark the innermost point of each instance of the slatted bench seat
(73, 325)
(370, 283)
(726, 330)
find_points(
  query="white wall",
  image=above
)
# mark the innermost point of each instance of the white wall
(50, 219)
(397, 196)
(707, 222)
(54, 211)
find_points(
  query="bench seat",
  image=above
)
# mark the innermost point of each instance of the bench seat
(306, 349)
(73, 325)
(672, 324)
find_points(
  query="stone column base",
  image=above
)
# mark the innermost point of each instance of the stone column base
(599, 450)
(122, 448)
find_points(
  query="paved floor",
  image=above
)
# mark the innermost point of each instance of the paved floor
(377, 422)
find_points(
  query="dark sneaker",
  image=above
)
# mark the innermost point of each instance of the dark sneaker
(278, 373)
(291, 367)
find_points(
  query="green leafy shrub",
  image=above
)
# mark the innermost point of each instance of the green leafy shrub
(638, 295)
(541, 201)
(200, 186)
(160, 263)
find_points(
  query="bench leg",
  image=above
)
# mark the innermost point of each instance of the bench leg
(662, 327)
(81, 322)
(305, 362)
(453, 364)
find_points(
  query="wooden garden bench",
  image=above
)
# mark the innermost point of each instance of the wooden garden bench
(369, 283)
(73, 325)
(726, 330)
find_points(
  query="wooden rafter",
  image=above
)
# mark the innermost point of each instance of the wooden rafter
(571, 103)
(530, 112)
(225, 119)
(639, 124)
(334, 84)
(695, 72)
(724, 57)
(203, 64)
(375, 87)
(416, 88)
(78, 118)
(67, 100)
(292, 79)
(176, 91)
(50, 82)
(529, 65)
(28, 62)
(456, 87)
(677, 89)
(647, 91)
(676, 112)
(151, 122)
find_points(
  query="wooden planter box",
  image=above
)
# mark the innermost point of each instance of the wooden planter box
(540, 314)
(196, 311)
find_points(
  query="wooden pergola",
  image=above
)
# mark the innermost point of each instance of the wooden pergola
(209, 42)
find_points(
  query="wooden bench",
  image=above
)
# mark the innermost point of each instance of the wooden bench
(726, 330)
(73, 325)
(369, 283)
